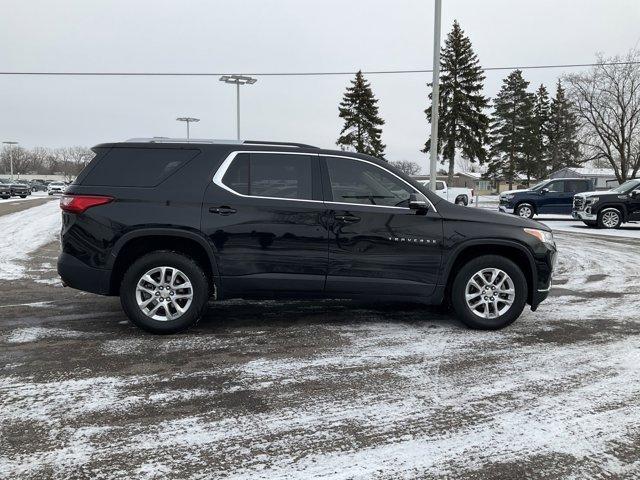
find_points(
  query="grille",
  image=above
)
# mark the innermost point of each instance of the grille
(578, 203)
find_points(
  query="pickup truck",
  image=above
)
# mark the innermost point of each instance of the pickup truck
(458, 195)
(609, 209)
(549, 196)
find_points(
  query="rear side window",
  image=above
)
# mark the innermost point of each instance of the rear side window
(270, 175)
(576, 186)
(137, 167)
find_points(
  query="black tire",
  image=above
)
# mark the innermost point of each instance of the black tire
(458, 293)
(590, 223)
(606, 214)
(524, 210)
(23, 196)
(164, 258)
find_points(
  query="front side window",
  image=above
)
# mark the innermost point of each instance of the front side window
(270, 175)
(358, 182)
(556, 187)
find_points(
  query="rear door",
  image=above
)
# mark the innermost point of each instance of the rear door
(377, 245)
(265, 216)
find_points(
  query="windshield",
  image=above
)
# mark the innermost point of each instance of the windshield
(627, 186)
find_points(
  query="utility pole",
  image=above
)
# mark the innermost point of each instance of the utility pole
(188, 120)
(238, 80)
(435, 96)
(10, 146)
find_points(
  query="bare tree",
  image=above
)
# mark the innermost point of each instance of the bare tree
(407, 167)
(607, 101)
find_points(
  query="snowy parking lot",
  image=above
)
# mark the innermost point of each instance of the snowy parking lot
(329, 389)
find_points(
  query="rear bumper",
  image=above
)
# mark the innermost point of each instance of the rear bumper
(76, 274)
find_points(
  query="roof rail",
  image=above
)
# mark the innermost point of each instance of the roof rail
(217, 141)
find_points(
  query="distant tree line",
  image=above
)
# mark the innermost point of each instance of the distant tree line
(67, 161)
(592, 117)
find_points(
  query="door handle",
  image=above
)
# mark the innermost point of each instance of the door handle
(222, 210)
(347, 218)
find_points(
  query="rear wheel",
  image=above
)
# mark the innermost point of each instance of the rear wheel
(461, 201)
(609, 218)
(164, 292)
(489, 292)
(524, 210)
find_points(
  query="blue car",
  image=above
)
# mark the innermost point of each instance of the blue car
(550, 196)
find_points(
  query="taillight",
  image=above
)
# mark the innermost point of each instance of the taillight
(80, 203)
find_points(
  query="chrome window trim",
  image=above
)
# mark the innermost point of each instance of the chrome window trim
(431, 206)
(217, 178)
(226, 163)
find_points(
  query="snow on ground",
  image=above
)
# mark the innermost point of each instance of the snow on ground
(24, 232)
(33, 196)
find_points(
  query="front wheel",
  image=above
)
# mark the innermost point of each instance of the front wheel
(462, 201)
(489, 292)
(164, 292)
(609, 218)
(524, 210)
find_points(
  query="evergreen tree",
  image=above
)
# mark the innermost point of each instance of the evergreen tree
(361, 130)
(462, 123)
(511, 128)
(564, 148)
(537, 162)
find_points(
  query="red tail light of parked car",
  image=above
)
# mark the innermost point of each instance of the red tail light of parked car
(80, 203)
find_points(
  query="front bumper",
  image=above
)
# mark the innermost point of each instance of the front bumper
(506, 208)
(584, 215)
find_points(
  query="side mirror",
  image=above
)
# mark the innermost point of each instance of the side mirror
(544, 191)
(635, 194)
(418, 203)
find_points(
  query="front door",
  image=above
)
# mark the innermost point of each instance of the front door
(265, 216)
(634, 205)
(555, 199)
(377, 245)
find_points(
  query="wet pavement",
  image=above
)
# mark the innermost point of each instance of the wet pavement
(330, 389)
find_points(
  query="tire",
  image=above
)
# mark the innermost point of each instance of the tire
(187, 269)
(590, 223)
(609, 218)
(525, 210)
(462, 285)
(462, 201)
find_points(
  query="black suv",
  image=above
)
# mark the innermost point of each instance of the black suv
(549, 196)
(168, 224)
(611, 208)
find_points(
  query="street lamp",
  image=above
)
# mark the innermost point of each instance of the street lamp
(188, 120)
(238, 80)
(11, 144)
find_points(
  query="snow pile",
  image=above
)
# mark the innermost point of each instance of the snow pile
(23, 233)
(33, 334)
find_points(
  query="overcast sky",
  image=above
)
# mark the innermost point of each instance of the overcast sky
(268, 36)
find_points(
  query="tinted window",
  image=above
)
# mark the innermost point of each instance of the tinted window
(439, 185)
(353, 181)
(137, 167)
(557, 186)
(575, 186)
(237, 175)
(270, 175)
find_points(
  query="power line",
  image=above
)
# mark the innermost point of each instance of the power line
(298, 74)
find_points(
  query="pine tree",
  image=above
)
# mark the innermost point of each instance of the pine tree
(462, 123)
(537, 162)
(361, 130)
(564, 148)
(511, 128)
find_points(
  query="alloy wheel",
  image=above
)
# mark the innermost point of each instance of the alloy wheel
(490, 293)
(610, 219)
(525, 211)
(164, 293)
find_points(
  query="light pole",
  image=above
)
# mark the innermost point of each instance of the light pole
(238, 80)
(188, 120)
(11, 144)
(435, 97)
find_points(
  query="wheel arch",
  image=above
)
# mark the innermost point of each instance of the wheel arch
(139, 242)
(621, 207)
(514, 251)
(534, 207)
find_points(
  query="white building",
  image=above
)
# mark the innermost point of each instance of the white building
(602, 178)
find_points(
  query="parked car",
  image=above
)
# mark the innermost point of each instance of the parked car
(167, 224)
(549, 196)
(19, 189)
(5, 189)
(37, 186)
(457, 195)
(611, 208)
(56, 188)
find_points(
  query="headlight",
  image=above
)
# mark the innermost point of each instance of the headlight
(542, 235)
(509, 196)
(593, 199)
